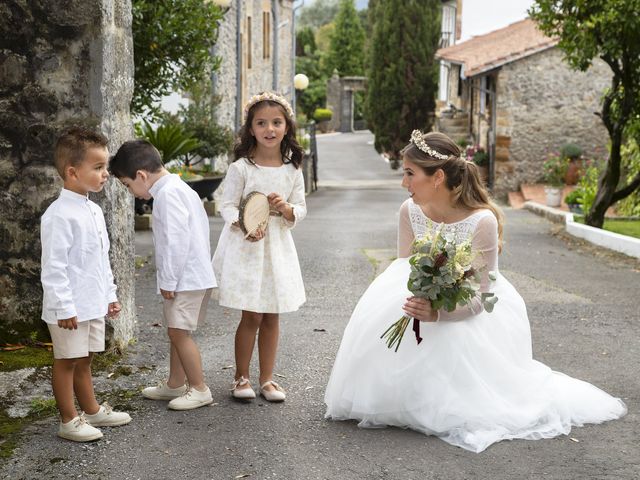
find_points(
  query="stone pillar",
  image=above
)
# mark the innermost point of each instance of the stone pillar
(62, 63)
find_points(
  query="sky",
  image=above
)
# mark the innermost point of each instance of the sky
(484, 16)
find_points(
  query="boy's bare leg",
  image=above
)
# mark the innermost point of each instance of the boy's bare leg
(244, 342)
(62, 383)
(268, 346)
(83, 386)
(189, 355)
(177, 375)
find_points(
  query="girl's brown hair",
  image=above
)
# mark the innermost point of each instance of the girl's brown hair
(462, 176)
(246, 144)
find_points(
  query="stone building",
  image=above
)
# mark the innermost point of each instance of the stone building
(255, 44)
(511, 92)
(61, 64)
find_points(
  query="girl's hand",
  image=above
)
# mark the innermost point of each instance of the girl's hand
(114, 310)
(167, 295)
(257, 235)
(278, 203)
(421, 309)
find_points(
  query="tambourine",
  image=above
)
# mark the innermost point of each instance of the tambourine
(254, 213)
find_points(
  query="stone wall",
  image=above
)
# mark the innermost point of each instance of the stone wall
(61, 63)
(260, 76)
(542, 104)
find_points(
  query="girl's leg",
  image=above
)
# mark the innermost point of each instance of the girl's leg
(189, 356)
(62, 380)
(268, 346)
(83, 386)
(244, 342)
(177, 374)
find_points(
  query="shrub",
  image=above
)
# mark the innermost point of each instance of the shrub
(322, 114)
(555, 169)
(571, 151)
(574, 197)
(588, 185)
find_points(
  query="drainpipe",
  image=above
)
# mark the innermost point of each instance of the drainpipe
(238, 64)
(276, 57)
(293, 54)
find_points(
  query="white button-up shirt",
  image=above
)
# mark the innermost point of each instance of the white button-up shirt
(76, 275)
(181, 237)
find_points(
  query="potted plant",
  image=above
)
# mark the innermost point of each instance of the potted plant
(555, 169)
(323, 116)
(573, 200)
(480, 157)
(573, 154)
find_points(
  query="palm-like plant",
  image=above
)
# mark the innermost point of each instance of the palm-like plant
(172, 141)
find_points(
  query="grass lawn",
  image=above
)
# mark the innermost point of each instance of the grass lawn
(630, 228)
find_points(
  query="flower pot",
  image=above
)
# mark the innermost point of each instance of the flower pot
(205, 186)
(575, 208)
(574, 172)
(554, 196)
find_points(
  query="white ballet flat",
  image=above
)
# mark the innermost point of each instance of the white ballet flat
(277, 395)
(242, 393)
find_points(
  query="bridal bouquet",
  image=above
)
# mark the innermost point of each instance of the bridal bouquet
(441, 272)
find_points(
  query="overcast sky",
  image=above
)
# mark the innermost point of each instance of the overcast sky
(484, 16)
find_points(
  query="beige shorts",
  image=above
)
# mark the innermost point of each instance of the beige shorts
(89, 337)
(187, 309)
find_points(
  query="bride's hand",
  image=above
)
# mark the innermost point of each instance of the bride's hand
(421, 309)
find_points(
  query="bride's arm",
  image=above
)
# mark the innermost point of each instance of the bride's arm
(485, 246)
(405, 232)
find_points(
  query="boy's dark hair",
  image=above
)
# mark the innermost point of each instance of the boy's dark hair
(72, 146)
(135, 155)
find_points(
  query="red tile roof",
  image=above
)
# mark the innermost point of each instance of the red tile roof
(489, 51)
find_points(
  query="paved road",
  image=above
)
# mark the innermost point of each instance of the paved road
(583, 310)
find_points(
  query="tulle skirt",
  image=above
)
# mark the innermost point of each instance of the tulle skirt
(472, 382)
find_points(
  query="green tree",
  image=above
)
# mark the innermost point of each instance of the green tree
(347, 42)
(318, 13)
(172, 42)
(403, 75)
(305, 42)
(609, 30)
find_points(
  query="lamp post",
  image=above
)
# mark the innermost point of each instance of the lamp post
(300, 82)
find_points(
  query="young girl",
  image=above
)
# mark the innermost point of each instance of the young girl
(260, 275)
(472, 381)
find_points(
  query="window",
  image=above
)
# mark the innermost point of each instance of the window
(266, 35)
(249, 39)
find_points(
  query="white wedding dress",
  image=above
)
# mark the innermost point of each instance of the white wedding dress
(472, 381)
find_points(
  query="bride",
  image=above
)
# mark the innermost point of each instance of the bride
(472, 381)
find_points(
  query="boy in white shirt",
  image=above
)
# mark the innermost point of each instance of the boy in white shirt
(77, 283)
(183, 262)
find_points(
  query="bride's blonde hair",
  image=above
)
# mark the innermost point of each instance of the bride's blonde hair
(462, 176)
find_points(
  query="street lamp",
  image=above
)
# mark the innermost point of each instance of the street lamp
(300, 82)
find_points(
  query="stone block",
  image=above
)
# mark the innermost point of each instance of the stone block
(142, 222)
(210, 208)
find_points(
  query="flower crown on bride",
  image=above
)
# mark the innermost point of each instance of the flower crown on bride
(418, 141)
(272, 97)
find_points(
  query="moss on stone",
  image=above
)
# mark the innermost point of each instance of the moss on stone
(25, 358)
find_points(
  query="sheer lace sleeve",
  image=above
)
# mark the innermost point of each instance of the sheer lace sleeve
(485, 244)
(405, 231)
(232, 195)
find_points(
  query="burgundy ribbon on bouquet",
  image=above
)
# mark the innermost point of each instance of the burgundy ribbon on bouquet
(416, 330)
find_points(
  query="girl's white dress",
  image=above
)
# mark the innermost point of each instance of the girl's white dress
(472, 381)
(261, 276)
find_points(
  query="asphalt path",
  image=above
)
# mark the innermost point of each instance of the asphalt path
(582, 304)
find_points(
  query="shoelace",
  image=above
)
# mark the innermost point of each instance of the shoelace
(80, 421)
(107, 408)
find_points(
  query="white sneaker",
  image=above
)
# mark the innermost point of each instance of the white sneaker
(106, 417)
(191, 399)
(78, 430)
(163, 392)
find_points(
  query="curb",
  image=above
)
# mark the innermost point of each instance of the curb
(603, 238)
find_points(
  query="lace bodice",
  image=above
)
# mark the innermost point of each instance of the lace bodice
(481, 226)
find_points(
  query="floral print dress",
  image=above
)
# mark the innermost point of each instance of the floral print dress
(261, 276)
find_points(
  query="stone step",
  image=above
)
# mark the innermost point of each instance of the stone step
(516, 200)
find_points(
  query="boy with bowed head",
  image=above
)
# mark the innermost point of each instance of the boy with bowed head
(183, 262)
(77, 283)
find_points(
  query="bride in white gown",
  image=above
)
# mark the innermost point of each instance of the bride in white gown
(472, 381)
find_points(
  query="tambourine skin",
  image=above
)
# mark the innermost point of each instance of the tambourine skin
(254, 212)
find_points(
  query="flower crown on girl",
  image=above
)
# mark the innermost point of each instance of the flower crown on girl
(271, 96)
